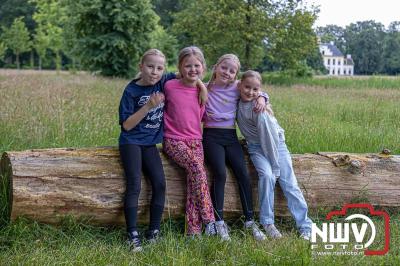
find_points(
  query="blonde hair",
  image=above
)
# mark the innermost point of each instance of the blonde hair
(224, 57)
(188, 51)
(257, 75)
(149, 52)
(251, 74)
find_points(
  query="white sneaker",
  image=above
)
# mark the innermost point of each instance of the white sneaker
(306, 235)
(222, 230)
(272, 231)
(211, 229)
(257, 233)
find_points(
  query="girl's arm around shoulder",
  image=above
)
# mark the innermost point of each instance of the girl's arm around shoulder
(203, 93)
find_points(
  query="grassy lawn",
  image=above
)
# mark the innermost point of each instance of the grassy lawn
(45, 109)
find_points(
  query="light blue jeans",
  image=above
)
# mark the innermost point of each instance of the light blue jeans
(288, 182)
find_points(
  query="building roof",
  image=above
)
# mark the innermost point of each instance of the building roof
(335, 51)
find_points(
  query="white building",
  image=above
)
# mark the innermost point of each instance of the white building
(335, 62)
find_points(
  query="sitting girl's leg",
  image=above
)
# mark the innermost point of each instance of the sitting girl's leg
(201, 189)
(235, 159)
(288, 182)
(186, 155)
(215, 158)
(131, 158)
(152, 165)
(266, 183)
(193, 217)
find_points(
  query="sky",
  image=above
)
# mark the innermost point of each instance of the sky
(344, 12)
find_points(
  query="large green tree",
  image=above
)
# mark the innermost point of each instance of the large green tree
(280, 29)
(364, 41)
(17, 38)
(225, 26)
(111, 35)
(293, 39)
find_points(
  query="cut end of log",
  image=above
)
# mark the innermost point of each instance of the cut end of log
(5, 189)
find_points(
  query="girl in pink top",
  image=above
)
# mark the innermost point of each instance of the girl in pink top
(183, 136)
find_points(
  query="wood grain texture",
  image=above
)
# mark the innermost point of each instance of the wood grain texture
(49, 184)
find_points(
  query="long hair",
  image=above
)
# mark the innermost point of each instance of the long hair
(188, 51)
(149, 52)
(224, 57)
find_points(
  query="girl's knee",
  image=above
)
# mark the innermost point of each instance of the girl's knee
(266, 177)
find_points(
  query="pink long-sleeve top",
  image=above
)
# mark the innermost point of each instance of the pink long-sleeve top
(182, 111)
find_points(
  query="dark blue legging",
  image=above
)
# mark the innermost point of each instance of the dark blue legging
(135, 158)
(222, 146)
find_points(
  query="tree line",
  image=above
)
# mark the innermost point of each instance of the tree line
(374, 49)
(108, 36)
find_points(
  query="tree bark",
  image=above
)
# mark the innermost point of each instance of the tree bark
(46, 185)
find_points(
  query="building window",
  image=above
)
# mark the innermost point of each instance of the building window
(333, 71)
(329, 61)
(333, 61)
(344, 71)
(349, 72)
(338, 62)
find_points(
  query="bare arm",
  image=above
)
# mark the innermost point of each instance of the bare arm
(203, 94)
(134, 119)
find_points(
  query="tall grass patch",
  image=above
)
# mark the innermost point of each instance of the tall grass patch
(43, 110)
(348, 120)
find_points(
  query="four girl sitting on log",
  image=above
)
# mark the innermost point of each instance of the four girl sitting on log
(156, 105)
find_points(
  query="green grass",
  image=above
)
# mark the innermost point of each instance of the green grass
(44, 110)
(26, 242)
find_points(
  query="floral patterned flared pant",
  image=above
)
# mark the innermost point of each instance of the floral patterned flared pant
(189, 155)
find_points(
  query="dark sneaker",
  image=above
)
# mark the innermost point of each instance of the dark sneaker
(211, 229)
(134, 241)
(153, 235)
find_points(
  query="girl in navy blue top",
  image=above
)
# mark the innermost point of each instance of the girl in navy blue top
(141, 120)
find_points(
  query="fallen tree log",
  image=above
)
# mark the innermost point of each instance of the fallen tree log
(46, 185)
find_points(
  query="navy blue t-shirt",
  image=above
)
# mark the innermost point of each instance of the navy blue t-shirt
(149, 131)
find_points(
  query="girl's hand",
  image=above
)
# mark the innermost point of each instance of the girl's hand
(155, 100)
(203, 94)
(260, 105)
(268, 109)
